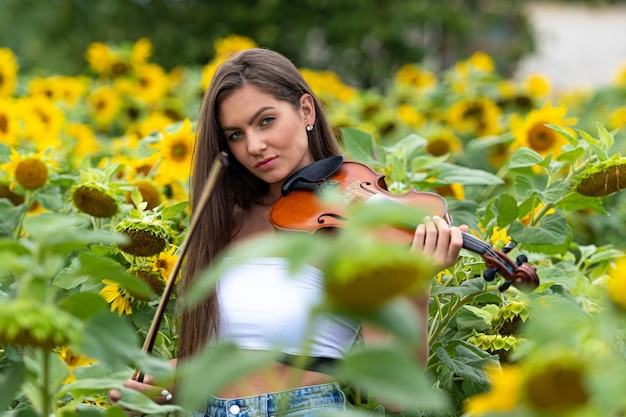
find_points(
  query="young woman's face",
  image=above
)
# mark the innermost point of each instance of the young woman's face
(266, 135)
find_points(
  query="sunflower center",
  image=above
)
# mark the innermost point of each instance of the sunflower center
(438, 147)
(31, 173)
(4, 123)
(541, 138)
(179, 152)
(119, 68)
(474, 112)
(557, 389)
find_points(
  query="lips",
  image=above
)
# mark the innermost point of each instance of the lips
(265, 163)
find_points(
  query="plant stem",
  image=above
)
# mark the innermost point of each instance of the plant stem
(46, 398)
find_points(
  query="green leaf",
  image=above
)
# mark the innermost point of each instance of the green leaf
(392, 376)
(174, 210)
(468, 362)
(505, 208)
(10, 217)
(358, 144)
(110, 339)
(567, 135)
(576, 201)
(605, 136)
(456, 174)
(225, 363)
(104, 268)
(525, 157)
(468, 287)
(523, 187)
(11, 379)
(551, 236)
(571, 156)
(83, 305)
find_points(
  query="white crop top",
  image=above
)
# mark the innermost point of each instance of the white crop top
(264, 307)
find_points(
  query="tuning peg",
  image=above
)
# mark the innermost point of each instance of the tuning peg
(505, 285)
(509, 247)
(521, 259)
(490, 274)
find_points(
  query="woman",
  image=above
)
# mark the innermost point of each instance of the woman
(260, 111)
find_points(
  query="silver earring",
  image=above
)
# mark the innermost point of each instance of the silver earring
(309, 128)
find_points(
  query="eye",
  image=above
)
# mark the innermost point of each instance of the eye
(234, 136)
(267, 120)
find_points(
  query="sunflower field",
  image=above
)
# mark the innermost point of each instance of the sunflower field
(94, 201)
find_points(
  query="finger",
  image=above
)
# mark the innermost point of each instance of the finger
(419, 237)
(430, 242)
(114, 396)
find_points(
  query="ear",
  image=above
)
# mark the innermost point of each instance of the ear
(307, 109)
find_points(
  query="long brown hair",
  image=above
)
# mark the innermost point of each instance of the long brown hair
(237, 189)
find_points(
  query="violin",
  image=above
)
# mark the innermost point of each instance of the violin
(300, 208)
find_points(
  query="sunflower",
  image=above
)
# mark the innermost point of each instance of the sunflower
(93, 194)
(73, 361)
(120, 299)
(84, 138)
(8, 72)
(442, 141)
(151, 84)
(414, 76)
(147, 236)
(328, 86)
(410, 116)
(499, 237)
(165, 262)
(617, 119)
(504, 395)
(153, 279)
(557, 388)
(616, 284)
(38, 325)
(105, 104)
(42, 121)
(604, 178)
(140, 52)
(100, 57)
(29, 170)
(532, 132)
(537, 85)
(477, 116)
(149, 191)
(232, 44)
(9, 122)
(154, 122)
(620, 75)
(176, 151)
(68, 90)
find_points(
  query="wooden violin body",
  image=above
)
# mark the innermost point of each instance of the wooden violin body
(303, 210)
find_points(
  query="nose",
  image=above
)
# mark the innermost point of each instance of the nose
(256, 143)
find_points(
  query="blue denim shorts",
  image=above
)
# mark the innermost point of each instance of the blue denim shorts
(308, 401)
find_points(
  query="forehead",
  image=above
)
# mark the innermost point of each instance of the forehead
(244, 102)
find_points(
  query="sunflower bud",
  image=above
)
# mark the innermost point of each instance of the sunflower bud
(603, 179)
(367, 275)
(146, 238)
(150, 277)
(94, 199)
(35, 325)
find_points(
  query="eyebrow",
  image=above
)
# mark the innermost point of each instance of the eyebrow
(252, 118)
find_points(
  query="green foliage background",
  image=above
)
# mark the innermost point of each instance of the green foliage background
(362, 41)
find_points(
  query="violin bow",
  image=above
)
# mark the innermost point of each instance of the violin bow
(221, 161)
